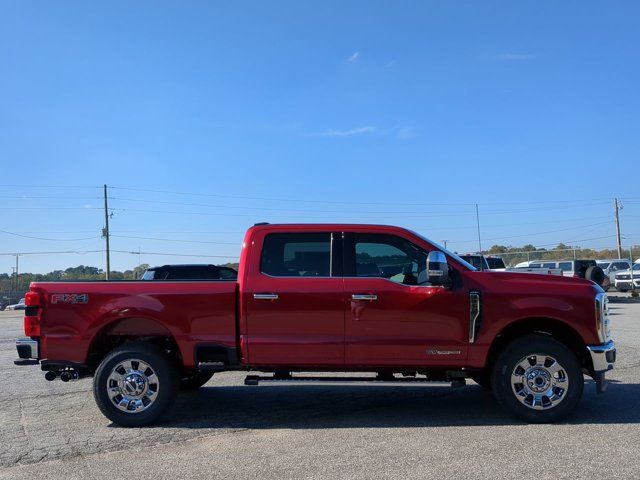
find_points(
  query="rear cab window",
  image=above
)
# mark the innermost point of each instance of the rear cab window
(298, 255)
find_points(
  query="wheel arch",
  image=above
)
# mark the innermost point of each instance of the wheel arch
(544, 326)
(130, 329)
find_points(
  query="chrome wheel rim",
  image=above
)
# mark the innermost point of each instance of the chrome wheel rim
(539, 382)
(132, 386)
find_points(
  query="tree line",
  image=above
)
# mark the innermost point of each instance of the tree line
(9, 283)
(515, 255)
(511, 256)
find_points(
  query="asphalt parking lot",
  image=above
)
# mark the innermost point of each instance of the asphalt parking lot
(54, 430)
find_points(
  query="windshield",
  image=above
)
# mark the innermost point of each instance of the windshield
(495, 262)
(636, 266)
(604, 265)
(448, 252)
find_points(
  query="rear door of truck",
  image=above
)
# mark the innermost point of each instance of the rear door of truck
(294, 298)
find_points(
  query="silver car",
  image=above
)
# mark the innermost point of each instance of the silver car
(17, 306)
(623, 279)
(613, 266)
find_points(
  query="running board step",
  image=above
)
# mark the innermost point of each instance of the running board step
(212, 366)
(257, 379)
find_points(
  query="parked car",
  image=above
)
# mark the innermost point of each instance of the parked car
(190, 272)
(623, 279)
(484, 262)
(326, 298)
(588, 269)
(612, 267)
(228, 273)
(17, 306)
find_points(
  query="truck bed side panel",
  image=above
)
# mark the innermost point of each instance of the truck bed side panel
(192, 312)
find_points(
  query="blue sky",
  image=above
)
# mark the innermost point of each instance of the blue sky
(393, 112)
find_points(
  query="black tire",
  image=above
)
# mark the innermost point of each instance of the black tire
(159, 365)
(595, 274)
(623, 290)
(482, 378)
(195, 380)
(525, 348)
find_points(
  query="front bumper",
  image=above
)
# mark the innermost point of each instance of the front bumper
(603, 358)
(28, 351)
(627, 284)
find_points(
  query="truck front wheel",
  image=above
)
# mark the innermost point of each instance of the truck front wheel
(135, 384)
(538, 379)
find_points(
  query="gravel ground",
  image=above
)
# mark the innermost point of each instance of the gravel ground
(54, 430)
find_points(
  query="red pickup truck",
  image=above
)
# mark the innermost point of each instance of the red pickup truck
(332, 298)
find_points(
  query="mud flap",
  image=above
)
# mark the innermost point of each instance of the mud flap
(601, 381)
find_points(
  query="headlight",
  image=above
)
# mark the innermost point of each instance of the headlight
(602, 317)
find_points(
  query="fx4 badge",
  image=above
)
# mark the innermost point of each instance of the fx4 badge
(70, 298)
(442, 352)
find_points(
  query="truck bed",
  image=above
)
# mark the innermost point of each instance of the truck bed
(75, 314)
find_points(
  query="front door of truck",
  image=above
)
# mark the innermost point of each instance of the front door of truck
(393, 317)
(295, 301)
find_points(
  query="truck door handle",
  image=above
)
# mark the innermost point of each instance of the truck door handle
(368, 297)
(265, 296)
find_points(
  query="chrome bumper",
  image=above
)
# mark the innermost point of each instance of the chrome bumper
(603, 356)
(27, 351)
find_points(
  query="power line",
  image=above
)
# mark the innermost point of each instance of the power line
(48, 186)
(78, 252)
(49, 239)
(342, 214)
(554, 243)
(51, 208)
(344, 202)
(45, 197)
(341, 211)
(138, 252)
(536, 233)
(175, 240)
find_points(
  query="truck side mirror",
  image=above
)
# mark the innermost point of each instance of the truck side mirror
(438, 269)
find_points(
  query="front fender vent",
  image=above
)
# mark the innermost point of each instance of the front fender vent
(475, 315)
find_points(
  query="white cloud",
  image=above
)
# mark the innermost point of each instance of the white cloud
(353, 57)
(347, 133)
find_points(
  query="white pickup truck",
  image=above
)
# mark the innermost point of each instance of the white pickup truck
(496, 264)
(569, 268)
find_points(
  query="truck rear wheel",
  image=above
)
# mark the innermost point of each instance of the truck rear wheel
(538, 379)
(135, 384)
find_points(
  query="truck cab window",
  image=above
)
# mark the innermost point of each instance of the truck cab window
(390, 257)
(296, 255)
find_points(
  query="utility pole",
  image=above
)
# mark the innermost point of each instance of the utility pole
(105, 232)
(478, 224)
(445, 243)
(17, 272)
(616, 208)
